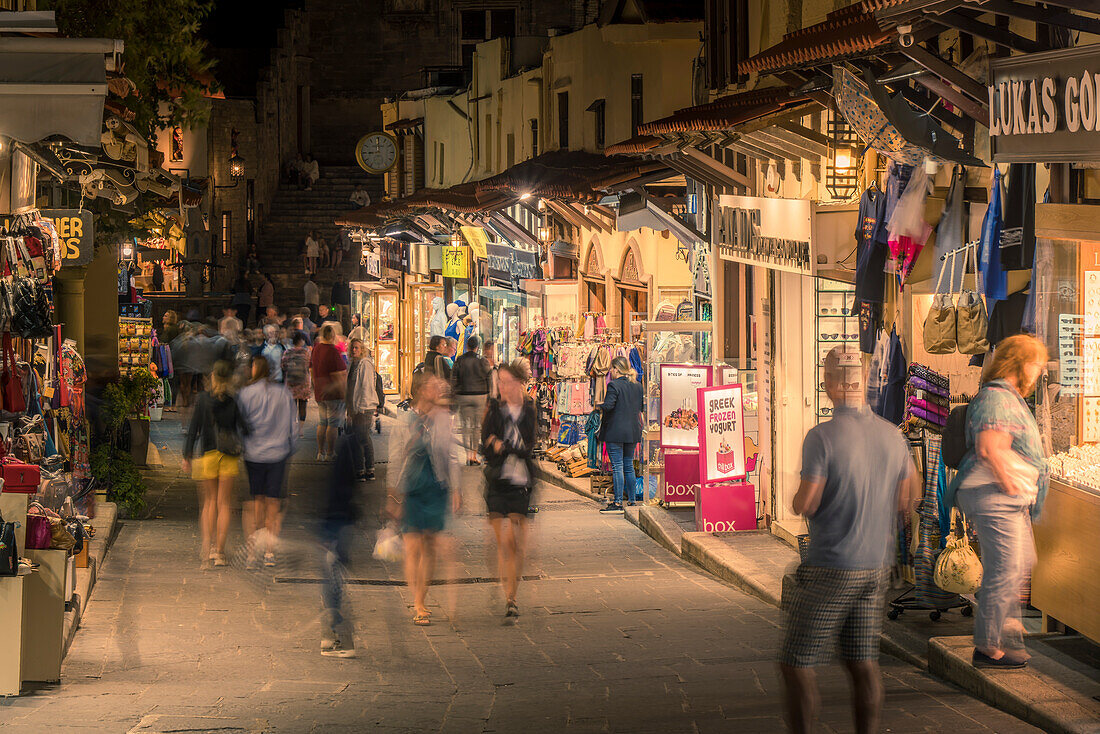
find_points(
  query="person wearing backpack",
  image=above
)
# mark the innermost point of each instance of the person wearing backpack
(1000, 487)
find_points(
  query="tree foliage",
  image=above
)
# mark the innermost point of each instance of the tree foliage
(165, 57)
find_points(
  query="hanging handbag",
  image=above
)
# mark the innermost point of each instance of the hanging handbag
(939, 323)
(10, 383)
(9, 549)
(971, 320)
(958, 569)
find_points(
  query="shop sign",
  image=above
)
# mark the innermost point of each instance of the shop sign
(456, 262)
(477, 238)
(508, 265)
(681, 477)
(771, 233)
(372, 263)
(724, 508)
(679, 411)
(1045, 107)
(721, 434)
(75, 230)
(395, 255)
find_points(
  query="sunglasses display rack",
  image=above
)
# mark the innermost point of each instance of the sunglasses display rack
(835, 322)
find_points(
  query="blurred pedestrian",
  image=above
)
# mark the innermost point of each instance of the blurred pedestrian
(507, 441)
(329, 373)
(423, 486)
(296, 375)
(435, 359)
(489, 352)
(358, 331)
(183, 362)
(341, 511)
(265, 299)
(230, 326)
(856, 472)
(268, 409)
(311, 295)
(242, 298)
(313, 251)
(622, 430)
(216, 427)
(170, 327)
(363, 402)
(470, 383)
(311, 172)
(1000, 487)
(325, 252)
(273, 351)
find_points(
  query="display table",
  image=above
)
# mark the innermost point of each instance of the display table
(724, 507)
(11, 645)
(44, 596)
(1065, 584)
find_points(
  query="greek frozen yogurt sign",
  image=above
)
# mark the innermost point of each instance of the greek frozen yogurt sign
(721, 434)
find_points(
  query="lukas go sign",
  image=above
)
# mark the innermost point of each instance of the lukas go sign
(1045, 107)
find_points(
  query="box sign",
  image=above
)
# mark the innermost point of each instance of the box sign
(75, 230)
(772, 233)
(680, 478)
(724, 508)
(372, 263)
(679, 407)
(721, 434)
(1045, 107)
(456, 262)
(508, 265)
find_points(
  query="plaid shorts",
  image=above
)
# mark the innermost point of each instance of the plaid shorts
(834, 604)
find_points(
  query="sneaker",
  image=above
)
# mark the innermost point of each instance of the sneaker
(320, 456)
(269, 559)
(369, 475)
(1008, 661)
(612, 507)
(511, 613)
(338, 649)
(219, 560)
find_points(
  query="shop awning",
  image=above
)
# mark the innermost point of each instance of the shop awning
(570, 174)
(54, 86)
(725, 113)
(847, 33)
(405, 124)
(637, 211)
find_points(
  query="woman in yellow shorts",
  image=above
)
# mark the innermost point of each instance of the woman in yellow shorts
(216, 426)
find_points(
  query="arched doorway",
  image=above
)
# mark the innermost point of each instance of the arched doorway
(633, 294)
(592, 277)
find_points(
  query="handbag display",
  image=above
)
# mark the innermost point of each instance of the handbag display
(9, 549)
(958, 569)
(939, 323)
(10, 383)
(39, 532)
(971, 319)
(19, 476)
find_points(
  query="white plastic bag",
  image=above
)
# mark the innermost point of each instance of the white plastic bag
(388, 546)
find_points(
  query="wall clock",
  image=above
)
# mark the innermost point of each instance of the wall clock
(376, 152)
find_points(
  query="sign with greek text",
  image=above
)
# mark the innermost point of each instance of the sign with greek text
(1045, 107)
(679, 410)
(721, 434)
(456, 262)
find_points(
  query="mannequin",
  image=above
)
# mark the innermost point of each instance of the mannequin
(437, 324)
(454, 321)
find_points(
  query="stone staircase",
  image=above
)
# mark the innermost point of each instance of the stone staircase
(294, 212)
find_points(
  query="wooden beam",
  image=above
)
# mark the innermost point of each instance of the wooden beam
(976, 110)
(1064, 19)
(999, 36)
(946, 71)
(765, 139)
(1085, 6)
(804, 132)
(710, 163)
(811, 148)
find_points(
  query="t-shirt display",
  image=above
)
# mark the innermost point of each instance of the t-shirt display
(871, 247)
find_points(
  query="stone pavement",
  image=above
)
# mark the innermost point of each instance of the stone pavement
(617, 635)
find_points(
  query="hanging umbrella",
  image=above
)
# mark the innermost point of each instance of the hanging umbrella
(918, 127)
(873, 117)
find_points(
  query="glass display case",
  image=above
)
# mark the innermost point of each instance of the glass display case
(502, 316)
(415, 321)
(836, 322)
(386, 350)
(665, 342)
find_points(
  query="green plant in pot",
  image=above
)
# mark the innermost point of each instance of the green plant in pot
(112, 461)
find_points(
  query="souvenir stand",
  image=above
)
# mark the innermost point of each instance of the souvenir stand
(45, 497)
(377, 306)
(680, 350)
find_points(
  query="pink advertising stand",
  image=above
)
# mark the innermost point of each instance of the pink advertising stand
(679, 409)
(680, 483)
(725, 501)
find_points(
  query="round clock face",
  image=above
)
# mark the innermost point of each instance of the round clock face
(376, 152)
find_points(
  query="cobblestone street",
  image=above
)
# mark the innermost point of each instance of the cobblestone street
(616, 635)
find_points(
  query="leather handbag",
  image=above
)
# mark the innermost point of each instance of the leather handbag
(939, 323)
(958, 569)
(971, 319)
(39, 532)
(10, 383)
(9, 549)
(20, 477)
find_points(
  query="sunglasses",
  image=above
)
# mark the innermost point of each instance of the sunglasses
(846, 386)
(831, 337)
(825, 411)
(826, 310)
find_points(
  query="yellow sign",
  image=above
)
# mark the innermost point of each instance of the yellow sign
(477, 239)
(74, 230)
(456, 262)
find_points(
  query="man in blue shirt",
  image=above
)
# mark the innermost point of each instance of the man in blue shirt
(856, 475)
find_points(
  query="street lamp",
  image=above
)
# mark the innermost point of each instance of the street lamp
(842, 168)
(236, 166)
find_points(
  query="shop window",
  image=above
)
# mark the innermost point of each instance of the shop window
(636, 103)
(227, 231)
(726, 40)
(480, 25)
(563, 120)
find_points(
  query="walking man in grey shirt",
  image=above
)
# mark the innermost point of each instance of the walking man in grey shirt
(856, 475)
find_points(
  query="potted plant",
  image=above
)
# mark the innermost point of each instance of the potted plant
(115, 461)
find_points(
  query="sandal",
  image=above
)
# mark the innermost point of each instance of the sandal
(422, 619)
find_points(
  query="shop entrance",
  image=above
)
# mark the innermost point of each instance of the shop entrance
(633, 308)
(595, 296)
